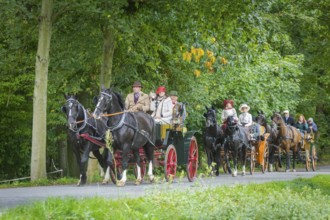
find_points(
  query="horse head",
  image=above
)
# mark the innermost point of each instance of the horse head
(277, 118)
(73, 110)
(108, 101)
(261, 119)
(210, 115)
(231, 125)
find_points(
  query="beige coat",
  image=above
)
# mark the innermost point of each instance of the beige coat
(143, 103)
(164, 110)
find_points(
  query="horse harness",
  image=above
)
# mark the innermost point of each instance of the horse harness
(136, 129)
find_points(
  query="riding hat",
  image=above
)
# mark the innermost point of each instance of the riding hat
(244, 106)
(160, 89)
(173, 93)
(310, 120)
(137, 84)
(286, 111)
(228, 101)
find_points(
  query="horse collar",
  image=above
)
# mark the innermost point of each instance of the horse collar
(119, 124)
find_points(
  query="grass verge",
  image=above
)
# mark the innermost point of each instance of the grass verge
(297, 199)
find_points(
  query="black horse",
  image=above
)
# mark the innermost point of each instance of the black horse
(273, 140)
(79, 123)
(213, 139)
(130, 131)
(236, 141)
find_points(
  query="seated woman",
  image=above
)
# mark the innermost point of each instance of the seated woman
(245, 120)
(228, 111)
(161, 107)
(301, 125)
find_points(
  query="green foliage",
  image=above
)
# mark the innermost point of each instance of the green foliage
(298, 199)
(272, 55)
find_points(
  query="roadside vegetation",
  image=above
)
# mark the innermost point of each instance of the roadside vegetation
(297, 199)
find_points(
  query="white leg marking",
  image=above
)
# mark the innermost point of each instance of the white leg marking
(107, 176)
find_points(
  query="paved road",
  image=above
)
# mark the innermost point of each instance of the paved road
(17, 196)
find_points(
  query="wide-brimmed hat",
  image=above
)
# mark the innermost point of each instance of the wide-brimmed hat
(286, 111)
(244, 106)
(173, 93)
(137, 84)
(310, 120)
(160, 89)
(228, 101)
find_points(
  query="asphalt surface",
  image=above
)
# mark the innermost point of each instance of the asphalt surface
(13, 197)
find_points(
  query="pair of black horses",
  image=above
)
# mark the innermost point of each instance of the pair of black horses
(234, 139)
(130, 131)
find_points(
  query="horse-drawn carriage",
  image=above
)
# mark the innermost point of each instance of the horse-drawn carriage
(224, 144)
(135, 139)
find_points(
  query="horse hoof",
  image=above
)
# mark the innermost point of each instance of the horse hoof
(120, 183)
(234, 174)
(243, 174)
(294, 170)
(152, 178)
(138, 182)
(287, 171)
(105, 182)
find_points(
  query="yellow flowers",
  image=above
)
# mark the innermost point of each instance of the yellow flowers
(197, 73)
(207, 57)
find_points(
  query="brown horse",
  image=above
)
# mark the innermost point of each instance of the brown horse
(289, 138)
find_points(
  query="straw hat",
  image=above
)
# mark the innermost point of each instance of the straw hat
(286, 111)
(244, 106)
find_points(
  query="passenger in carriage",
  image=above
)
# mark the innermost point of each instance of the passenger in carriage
(245, 120)
(228, 110)
(179, 110)
(301, 125)
(287, 118)
(162, 107)
(311, 126)
(137, 100)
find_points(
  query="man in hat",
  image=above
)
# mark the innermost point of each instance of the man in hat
(137, 100)
(288, 120)
(311, 125)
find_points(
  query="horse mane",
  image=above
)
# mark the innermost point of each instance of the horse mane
(119, 98)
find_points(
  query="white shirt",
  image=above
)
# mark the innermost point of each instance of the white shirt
(228, 112)
(245, 118)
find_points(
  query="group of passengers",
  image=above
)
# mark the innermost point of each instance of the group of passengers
(245, 119)
(161, 105)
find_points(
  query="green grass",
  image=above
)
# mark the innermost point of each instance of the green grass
(41, 182)
(297, 199)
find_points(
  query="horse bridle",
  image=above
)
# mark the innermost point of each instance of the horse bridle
(211, 119)
(71, 102)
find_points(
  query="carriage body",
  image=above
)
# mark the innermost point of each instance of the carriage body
(175, 147)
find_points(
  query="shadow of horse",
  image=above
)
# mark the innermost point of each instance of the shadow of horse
(272, 140)
(79, 123)
(213, 138)
(289, 138)
(130, 132)
(236, 141)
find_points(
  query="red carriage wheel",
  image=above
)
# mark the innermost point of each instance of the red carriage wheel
(170, 163)
(192, 163)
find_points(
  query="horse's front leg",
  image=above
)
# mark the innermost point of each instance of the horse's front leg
(235, 158)
(217, 160)
(125, 159)
(244, 155)
(209, 159)
(227, 159)
(271, 157)
(149, 151)
(287, 151)
(83, 165)
(138, 166)
(294, 155)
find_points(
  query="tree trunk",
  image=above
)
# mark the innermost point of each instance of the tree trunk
(39, 131)
(108, 51)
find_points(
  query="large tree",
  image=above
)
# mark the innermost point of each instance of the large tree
(39, 131)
